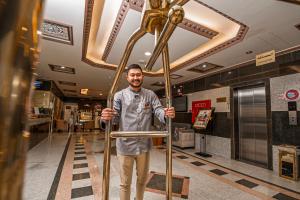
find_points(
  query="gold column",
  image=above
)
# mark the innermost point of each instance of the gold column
(19, 22)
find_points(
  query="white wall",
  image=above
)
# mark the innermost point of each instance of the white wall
(214, 145)
(212, 94)
(279, 85)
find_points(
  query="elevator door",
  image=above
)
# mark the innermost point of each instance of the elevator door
(253, 145)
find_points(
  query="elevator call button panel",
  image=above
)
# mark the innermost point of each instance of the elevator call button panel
(292, 109)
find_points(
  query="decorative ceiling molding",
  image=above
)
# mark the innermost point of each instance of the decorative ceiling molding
(57, 32)
(240, 36)
(89, 5)
(198, 28)
(124, 8)
(136, 4)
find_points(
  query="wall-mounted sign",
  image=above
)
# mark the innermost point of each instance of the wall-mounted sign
(265, 58)
(199, 105)
(292, 95)
(202, 119)
(221, 99)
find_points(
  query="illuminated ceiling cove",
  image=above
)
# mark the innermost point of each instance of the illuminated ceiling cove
(109, 24)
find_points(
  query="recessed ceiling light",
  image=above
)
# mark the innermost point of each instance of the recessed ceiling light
(63, 69)
(142, 62)
(84, 91)
(24, 28)
(147, 53)
(204, 67)
(100, 94)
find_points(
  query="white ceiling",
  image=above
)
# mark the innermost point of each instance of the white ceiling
(271, 26)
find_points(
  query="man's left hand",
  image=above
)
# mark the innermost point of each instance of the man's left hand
(170, 112)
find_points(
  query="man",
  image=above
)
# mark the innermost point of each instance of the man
(133, 108)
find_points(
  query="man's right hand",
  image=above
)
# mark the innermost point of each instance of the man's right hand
(107, 114)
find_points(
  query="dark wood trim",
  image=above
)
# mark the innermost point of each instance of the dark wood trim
(297, 2)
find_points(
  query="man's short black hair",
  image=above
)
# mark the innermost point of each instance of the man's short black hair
(133, 66)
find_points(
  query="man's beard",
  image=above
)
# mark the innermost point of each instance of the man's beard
(136, 86)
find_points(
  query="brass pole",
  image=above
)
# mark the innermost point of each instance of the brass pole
(175, 16)
(19, 22)
(136, 134)
(166, 67)
(107, 149)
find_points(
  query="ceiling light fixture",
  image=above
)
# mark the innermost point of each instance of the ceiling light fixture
(147, 53)
(39, 32)
(204, 65)
(84, 91)
(62, 67)
(24, 28)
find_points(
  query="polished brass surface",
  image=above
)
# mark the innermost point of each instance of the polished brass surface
(154, 4)
(158, 17)
(136, 134)
(19, 22)
(166, 67)
(175, 16)
(177, 2)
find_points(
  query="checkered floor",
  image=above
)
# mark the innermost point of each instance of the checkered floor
(256, 187)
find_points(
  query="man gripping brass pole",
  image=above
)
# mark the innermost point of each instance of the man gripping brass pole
(159, 17)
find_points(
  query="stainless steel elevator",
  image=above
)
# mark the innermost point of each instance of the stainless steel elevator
(252, 125)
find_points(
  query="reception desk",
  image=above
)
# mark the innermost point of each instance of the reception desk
(39, 130)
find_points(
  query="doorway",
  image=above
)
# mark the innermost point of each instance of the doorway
(251, 125)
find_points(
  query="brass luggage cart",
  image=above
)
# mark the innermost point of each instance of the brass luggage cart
(159, 17)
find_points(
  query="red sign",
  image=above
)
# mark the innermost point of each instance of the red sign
(292, 94)
(197, 105)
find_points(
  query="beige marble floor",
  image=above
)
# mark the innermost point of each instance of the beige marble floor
(87, 149)
(258, 172)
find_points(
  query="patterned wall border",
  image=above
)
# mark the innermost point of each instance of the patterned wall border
(136, 4)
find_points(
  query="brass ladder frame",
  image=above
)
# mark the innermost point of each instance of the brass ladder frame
(169, 14)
